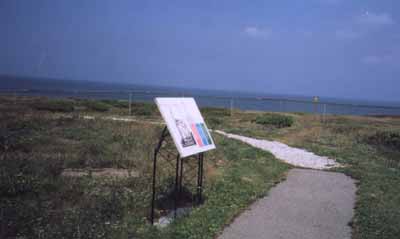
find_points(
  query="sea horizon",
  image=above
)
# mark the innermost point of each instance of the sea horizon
(62, 88)
(20, 82)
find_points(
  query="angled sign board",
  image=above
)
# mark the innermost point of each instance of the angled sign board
(185, 125)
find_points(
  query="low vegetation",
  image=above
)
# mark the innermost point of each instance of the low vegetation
(387, 138)
(144, 109)
(276, 120)
(122, 104)
(39, 201)
(38, 144)
(54, 106)
(95, 105)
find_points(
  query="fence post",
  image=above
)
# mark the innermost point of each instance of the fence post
(130, 101)
(231, 106)
(2, 228)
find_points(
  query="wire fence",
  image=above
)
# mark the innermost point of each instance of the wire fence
(229, 102)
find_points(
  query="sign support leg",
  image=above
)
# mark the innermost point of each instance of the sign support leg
(156, 150)
(200, 178)
(176, 192)
(181, 177)
(154, 187)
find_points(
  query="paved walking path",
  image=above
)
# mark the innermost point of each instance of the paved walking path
(310, 204)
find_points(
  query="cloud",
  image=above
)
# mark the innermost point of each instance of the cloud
(374, 19)
(257, 32)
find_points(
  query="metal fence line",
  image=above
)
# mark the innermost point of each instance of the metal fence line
(240, 102)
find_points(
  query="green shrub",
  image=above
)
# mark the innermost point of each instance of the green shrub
(96, 105)
(55, 106)
(276, 120)
(116, 103)
(143, 109)
(388, 138)
(217, 112)
(213, 121)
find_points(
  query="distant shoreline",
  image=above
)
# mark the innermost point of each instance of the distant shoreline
(214, 98)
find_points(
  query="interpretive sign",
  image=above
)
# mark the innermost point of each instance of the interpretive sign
(186, 125)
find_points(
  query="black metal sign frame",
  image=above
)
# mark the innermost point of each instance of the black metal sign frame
(178, 175)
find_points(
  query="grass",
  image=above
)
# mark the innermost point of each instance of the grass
(38, 202)
(37, 145)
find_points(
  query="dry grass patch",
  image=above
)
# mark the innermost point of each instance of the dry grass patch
(103, 172)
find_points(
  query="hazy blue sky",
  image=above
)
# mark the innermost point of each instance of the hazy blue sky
(339, 48)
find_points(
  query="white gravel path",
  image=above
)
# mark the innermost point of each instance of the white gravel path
(294, 156)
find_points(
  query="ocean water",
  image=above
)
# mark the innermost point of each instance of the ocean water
(212, 98)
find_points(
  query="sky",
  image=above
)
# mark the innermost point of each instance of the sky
(337, 48)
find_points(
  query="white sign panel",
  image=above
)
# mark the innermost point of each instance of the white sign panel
(186, 125)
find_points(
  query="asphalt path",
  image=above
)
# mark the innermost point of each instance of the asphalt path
(309, 204)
